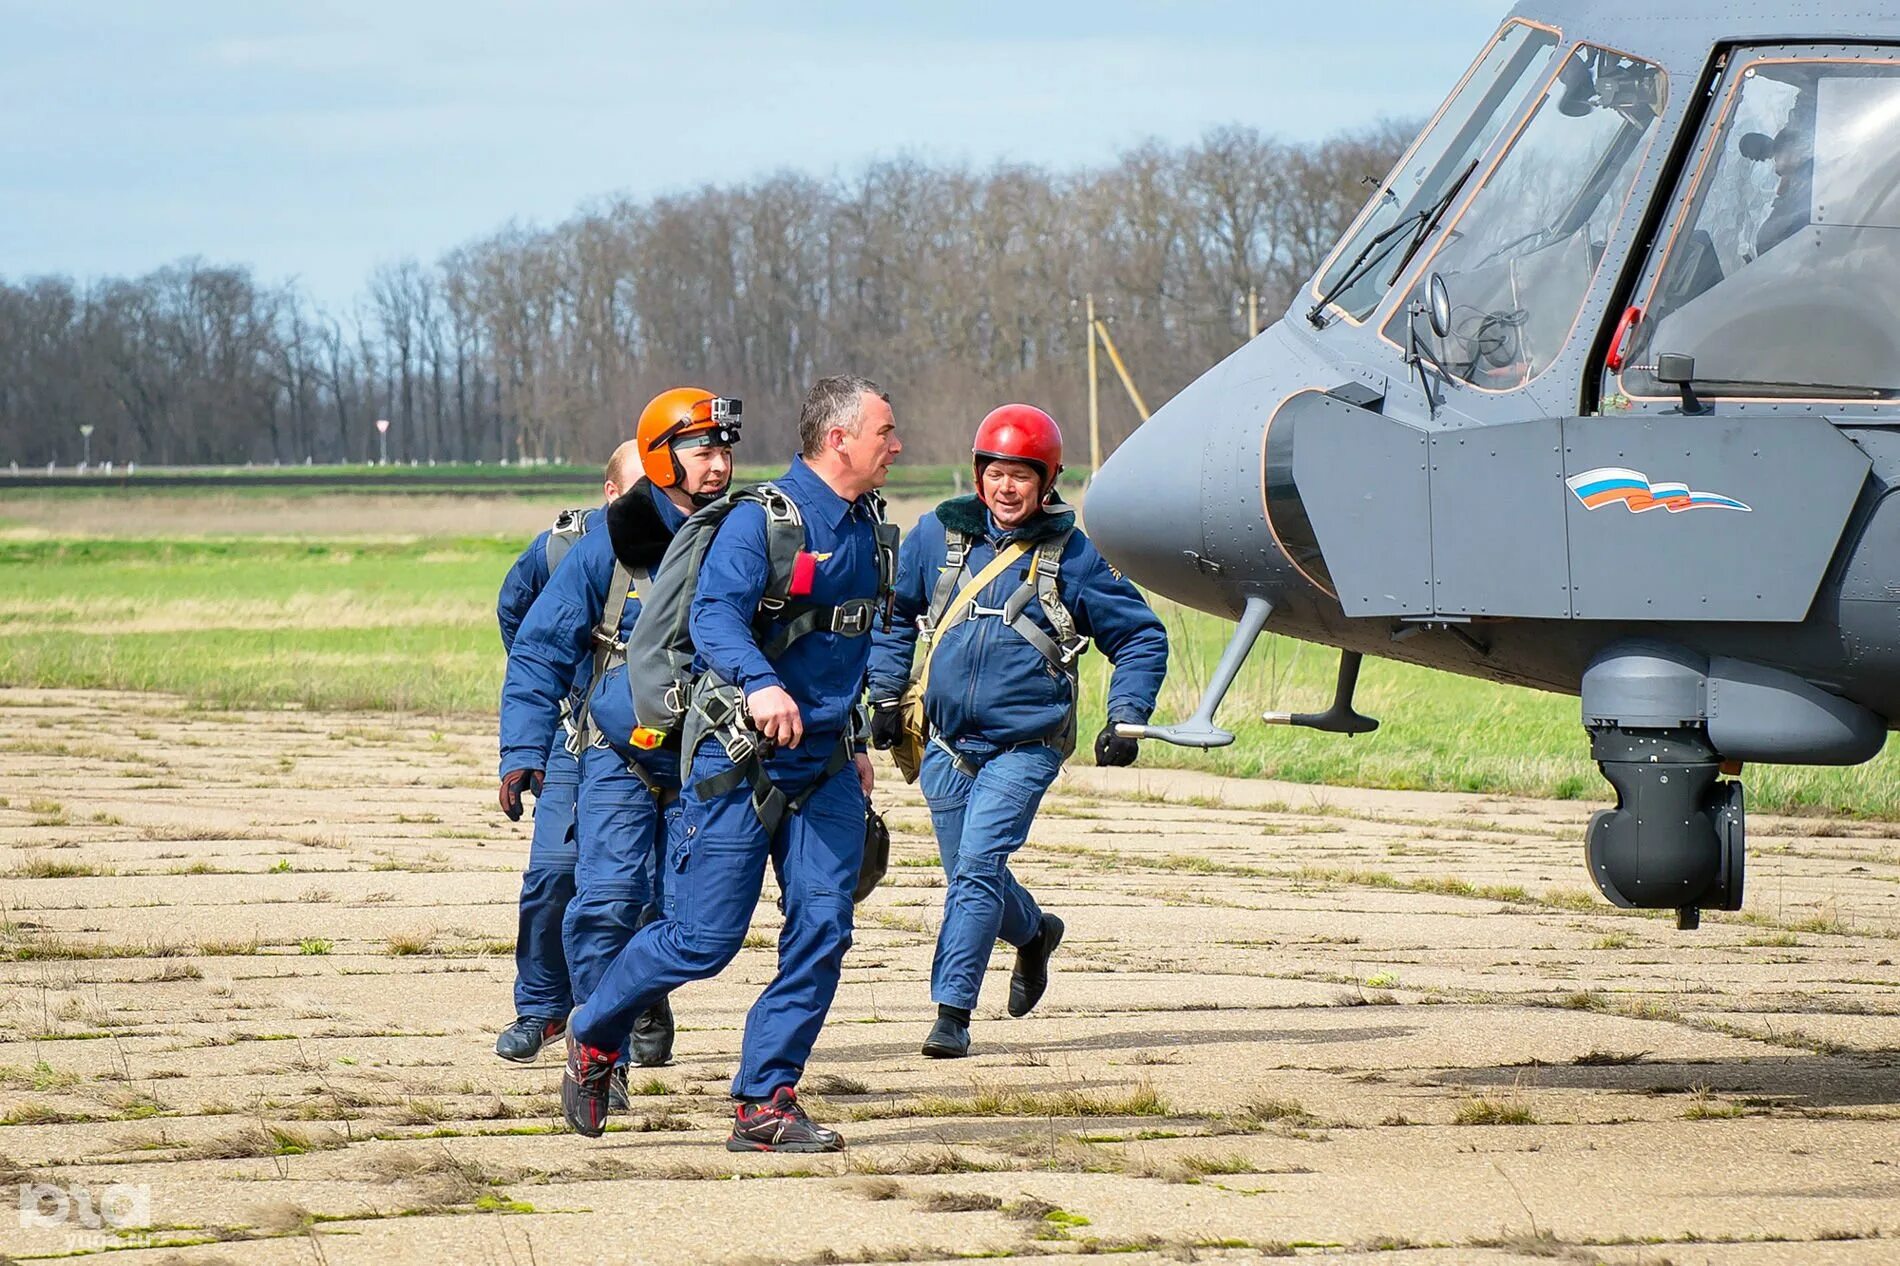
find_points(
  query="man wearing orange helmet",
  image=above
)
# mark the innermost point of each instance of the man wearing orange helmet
(997, 595)
(571, 645)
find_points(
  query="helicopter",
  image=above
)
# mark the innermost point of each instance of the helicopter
(1598, 394)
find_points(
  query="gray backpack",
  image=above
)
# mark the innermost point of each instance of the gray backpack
(669, 698)
(567, 529)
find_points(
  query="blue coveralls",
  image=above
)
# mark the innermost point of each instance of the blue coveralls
(997, 703)
(547, 885)
(620, 819)
(717, 863)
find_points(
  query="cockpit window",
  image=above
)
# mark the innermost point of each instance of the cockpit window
(1493, 90)
(1518, 263)
(1782, 279)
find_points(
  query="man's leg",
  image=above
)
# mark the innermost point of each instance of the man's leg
(542, 996)
(617, 825)
(946, 789)
(820, 850)
(672, 831)
(984, 901)
(651, 1043)
(716, 870)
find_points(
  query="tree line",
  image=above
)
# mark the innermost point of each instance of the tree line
(958, 288)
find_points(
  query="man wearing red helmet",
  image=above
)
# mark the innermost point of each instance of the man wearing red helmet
(998, 594)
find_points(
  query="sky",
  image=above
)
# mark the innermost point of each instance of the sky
(314, 141)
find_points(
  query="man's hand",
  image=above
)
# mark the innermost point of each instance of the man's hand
(513, 783)
(887, 724)
(775, 714)
(1112, 749)
(867, 777)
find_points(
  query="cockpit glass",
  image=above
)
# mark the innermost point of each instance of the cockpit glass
(1783, 279)
(1518, 263)
(1492, 92)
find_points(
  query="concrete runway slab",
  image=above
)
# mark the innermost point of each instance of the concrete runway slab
(252, 964)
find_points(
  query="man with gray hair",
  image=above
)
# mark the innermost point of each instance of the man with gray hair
(784, 778)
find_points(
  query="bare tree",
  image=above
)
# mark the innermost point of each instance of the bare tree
(959, 287)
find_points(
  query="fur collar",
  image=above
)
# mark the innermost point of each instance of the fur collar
(639, 535)
(969, 516)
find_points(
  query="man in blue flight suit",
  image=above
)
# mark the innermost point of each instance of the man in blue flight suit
(568, 648)
(781, 778)
(542, 997)
(1012, 591)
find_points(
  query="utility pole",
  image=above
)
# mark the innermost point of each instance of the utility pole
(1095, 416)
(1121, 369)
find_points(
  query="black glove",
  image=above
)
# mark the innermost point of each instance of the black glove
(887, 724)
(1112, 749)
(513, 783)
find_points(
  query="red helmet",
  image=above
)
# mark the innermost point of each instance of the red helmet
(1020, 433)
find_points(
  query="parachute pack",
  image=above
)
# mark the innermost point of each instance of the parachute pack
(567, 529)
(669, 697)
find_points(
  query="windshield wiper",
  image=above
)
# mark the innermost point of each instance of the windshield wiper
(1362, 263)
(1420, 222)
(1434, 213)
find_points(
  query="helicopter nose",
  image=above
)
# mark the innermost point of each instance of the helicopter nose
(1144, 508)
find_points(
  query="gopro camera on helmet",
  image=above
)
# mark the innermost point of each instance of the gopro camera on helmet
(725, 410)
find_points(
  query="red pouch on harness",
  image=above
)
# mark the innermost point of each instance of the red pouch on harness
(804, 572)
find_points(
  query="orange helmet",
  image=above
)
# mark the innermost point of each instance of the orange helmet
(680, 414)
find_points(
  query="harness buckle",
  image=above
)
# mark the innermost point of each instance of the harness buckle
(978, 609)
(740, 744)
(779, 509)
(853, 619)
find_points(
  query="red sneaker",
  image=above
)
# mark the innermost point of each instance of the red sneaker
(779, 1124)
(586, 1085)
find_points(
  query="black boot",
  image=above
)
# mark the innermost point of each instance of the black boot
(779, 1124)
(950, 1035)
(523, 1040)
(1031, 977)
(652, 1039)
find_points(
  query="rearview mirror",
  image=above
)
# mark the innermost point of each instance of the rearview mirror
(1678, 370)
(1438, 306)
(1675, 368)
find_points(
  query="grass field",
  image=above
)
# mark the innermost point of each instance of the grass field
(409, 625)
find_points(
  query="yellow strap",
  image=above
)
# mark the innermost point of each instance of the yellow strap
(960, 605)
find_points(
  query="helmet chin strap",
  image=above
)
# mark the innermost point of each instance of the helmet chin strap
(702, 499)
